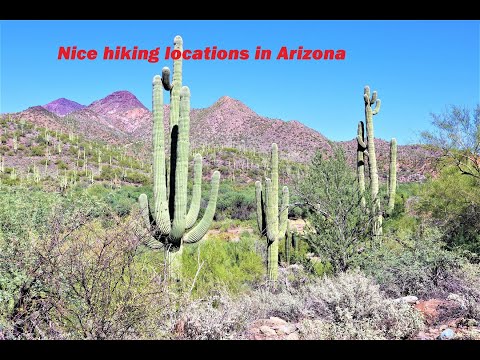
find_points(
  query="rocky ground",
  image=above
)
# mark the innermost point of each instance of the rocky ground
(439, 315)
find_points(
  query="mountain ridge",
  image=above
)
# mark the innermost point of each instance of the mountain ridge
(120, 117)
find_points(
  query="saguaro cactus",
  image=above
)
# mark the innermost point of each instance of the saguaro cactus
(367, 149)
(168, 221)
(392, 176)
(272, 223)
(372, 159)
(361, 153)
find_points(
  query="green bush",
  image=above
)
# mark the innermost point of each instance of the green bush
(338, 227)
(452, 202)
(37, 150)
(233, 265)
(422, 266)
(235, 202)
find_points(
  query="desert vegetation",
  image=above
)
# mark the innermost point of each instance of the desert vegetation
(186, 240)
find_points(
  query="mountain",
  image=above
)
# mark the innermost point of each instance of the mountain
(120, 118)
(62, 106)
(122, 110)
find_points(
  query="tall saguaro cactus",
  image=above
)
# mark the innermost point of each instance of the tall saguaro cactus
(392, 176)
(366, 149)
(372, 158)
(272, 223)
(168, 220)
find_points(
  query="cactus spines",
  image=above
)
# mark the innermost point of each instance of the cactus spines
(271, 222)
(392, 176)
(372, 159)
(168, 221)
(361, 149)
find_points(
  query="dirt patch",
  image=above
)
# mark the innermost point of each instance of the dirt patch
(231, 234)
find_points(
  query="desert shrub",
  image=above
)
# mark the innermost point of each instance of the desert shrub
(452, 202)
(235, 202)
(21, 147)
(338, 227)
(24, 218)
(137, 178)
(61, 165)
(420, 267)
(467, 287)
(351, 306)
(84, 280)
(73, 150)
(347, 306)
(233, 265)
(109, 172)
(37, 150)
(121, 200)
(215, 318)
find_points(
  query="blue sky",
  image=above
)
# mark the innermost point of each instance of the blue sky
(417, 67)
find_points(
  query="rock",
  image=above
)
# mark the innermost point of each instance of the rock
(267, 330)
(276, 321)
(293, 336)
(406, 299)
(286, 329)
(457, 298)
(179, 328)
(447, 334)
(429, 309)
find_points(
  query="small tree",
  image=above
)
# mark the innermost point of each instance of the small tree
(457, 134)
(337, 226)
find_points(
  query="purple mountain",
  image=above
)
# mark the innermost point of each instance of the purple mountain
(62, 106)
(115, 103)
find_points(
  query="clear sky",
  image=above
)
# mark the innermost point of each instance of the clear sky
(417, 67)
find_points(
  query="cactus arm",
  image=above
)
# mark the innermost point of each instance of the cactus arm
(166, 79)
(378, 103)
(288, 244)
(366, 94)
(361, 149)
(392, 176)
(181, 170)
(192, 214)
(154, 244)
(271, 212)
(361, 143)
(177, 83)
(283, 216)
(260, 208)
(199, 231)
(160, 214)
